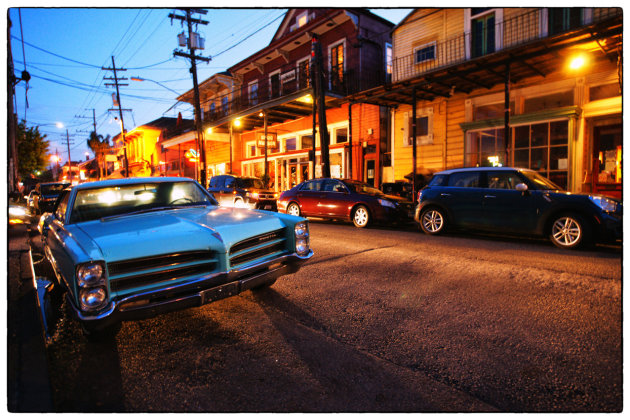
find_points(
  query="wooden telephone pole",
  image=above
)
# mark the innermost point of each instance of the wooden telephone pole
(120, 110)
(193, 43)
(320, 96)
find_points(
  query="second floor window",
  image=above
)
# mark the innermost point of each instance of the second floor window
(224, 105)
(389, 67)
(483, 34)
(424, 53)
(336, 66)
(304, 74)
(253, 93)
(274, 85)
(562, 19)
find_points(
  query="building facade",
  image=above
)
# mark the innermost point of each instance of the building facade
(502, 86)
(259, 118)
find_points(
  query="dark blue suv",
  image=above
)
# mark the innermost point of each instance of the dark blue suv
(516, 201)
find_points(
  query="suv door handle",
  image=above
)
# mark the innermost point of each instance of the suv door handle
(445, 195)
(489, 196)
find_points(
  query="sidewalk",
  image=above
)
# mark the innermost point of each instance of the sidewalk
(28, 381)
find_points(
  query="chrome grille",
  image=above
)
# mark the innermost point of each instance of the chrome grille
(139, 272)
(265, 245)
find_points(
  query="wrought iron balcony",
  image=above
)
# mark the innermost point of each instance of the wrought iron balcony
(268, 91)
(517, 31)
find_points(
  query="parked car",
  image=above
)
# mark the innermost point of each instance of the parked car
(42, 198)
(516, 201)
(133, 248)
(248, 192)
(344, 199)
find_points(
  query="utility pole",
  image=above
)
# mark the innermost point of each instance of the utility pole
(120, 110)
(194, 42)
(69, 159)
(320, 88)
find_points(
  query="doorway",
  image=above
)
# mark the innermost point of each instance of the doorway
(607, 159)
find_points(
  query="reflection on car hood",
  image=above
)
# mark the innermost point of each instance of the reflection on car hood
(166, 232)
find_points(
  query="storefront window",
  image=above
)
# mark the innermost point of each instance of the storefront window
(543, 147)
(485, 148)
(540, 103)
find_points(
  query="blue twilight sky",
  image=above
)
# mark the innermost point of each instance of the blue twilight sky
(64, 50)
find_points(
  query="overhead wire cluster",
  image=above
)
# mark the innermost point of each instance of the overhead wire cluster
(132, 43)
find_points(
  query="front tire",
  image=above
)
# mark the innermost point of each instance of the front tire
(432, 221)
(361, 217)
(569, 231)
(293, 209)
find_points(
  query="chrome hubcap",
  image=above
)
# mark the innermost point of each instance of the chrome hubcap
(432, 221)
(294, 210)
(361, 217)
(566, 231)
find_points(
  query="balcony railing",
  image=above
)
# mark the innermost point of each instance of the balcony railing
(513, 32)
(243, 98)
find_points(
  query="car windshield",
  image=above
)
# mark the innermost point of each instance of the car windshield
(96, 203)
(53, 188)
(249, 183)
(363, 188)
(540, 181)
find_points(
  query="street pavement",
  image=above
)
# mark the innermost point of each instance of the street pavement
(28, 379)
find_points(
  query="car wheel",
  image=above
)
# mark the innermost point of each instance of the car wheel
(361, 217)
(569, 231)
(293, 209)
(239, 203)
(432, 221)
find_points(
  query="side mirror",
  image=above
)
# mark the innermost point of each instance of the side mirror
(521, 187)
(44, 223)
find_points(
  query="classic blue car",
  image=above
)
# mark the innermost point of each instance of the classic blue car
(133, 248)
(516, 201)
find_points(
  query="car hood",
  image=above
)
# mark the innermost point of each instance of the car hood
(171, 231)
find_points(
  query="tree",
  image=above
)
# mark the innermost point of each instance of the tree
(32, 150)
(99, 145)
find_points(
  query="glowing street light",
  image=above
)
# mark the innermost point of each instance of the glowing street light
(577, 62)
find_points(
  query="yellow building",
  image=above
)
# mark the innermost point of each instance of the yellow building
(530, 87)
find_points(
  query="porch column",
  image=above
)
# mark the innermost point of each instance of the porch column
(506, 114)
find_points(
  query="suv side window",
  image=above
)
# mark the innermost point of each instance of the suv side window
(438, 181)
(467, 179)
(503, 180)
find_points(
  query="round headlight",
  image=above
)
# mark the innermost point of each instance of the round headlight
(92, 299)
(302, 246)
(301, 230)
(90, 274)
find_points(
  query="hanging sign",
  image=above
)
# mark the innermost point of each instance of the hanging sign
(271, 141)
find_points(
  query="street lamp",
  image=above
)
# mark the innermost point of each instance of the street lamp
(141, 79)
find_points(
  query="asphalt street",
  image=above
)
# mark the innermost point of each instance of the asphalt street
(379, 320)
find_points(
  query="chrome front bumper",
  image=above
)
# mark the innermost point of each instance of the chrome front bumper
(197, 292)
